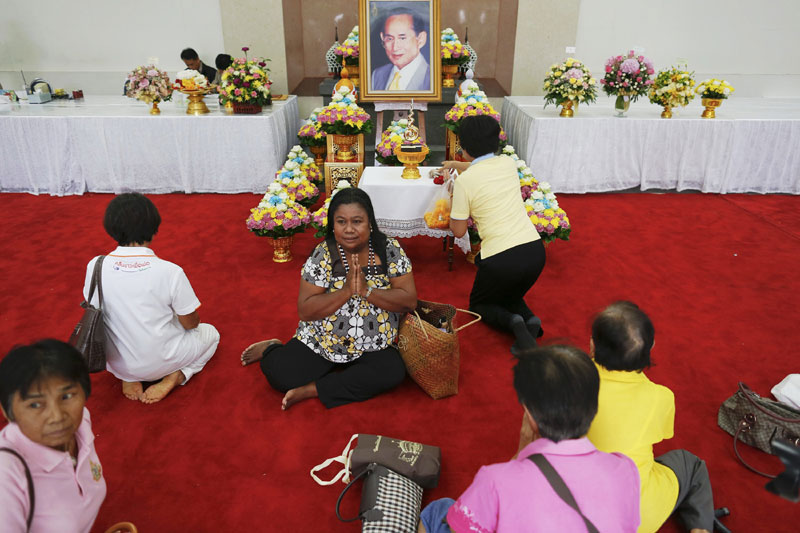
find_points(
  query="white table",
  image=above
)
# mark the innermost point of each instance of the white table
(752, 145)
(113, 144)
(400, 204)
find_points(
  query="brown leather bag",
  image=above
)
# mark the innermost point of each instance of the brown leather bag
(89, 336)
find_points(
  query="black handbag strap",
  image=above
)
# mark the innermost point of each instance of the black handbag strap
(361, 474)
(557, 482)
(97, 281)
(28, 476)
(745, 424)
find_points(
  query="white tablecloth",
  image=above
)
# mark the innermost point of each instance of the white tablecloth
(400, 204)
(113, 144)
(752, 145)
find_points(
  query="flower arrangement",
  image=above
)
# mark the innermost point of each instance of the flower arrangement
(348, 49)
(673, 87)
(714, 88)
(470, 103)
(306, 164)
(319, 219)
(540, 202)
(190, 80)
(148, 84)
(310, 133)
(343, 116)
(246, 81)
(628, 75)
(570, 80)
(297, 185)
(277, 214)
(391, 138)
(453, 52)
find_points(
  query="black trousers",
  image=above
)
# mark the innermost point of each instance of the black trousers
(695, 505)
(502, 281)
(291, 365)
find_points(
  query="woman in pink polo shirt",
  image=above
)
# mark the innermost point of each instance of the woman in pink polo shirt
(50, 476)
(557, 387)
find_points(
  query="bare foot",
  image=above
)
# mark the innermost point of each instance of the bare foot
(132, 390)
(255, 351)
(159, 391)
(298, 395)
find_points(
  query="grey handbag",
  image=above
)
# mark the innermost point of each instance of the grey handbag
(390, 503)
(89, 336)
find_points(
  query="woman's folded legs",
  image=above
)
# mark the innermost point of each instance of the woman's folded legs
(297, 370)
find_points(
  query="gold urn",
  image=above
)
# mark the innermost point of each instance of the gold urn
(196, 104)
(710, 105)
(411, 155)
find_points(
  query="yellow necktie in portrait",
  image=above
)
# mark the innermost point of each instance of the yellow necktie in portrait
(395, 85)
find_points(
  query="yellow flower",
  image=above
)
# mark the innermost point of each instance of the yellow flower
(569, 62)
(557, 73)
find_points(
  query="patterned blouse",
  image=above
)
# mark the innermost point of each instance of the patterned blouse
(357, 326)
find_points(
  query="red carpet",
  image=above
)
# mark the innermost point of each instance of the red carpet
(717, 274)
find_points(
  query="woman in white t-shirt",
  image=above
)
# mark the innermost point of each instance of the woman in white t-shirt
(153, 329)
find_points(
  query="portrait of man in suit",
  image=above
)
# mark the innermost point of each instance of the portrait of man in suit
(404, 33)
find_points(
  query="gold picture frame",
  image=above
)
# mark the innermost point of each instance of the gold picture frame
(383, 50)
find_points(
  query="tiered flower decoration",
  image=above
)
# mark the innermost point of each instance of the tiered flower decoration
(714, 88)
(343, 116)
(391, 138)
(277, 215)
(306, 164)
(190, 80)
(297, 186)
(453, 52)
(348, 49)
(319, 219)
(543, 210)
(628, 75)
(570, 80)
(470, 103)
(246, 81)
(310, 133)
(148, 84)
(673, 87)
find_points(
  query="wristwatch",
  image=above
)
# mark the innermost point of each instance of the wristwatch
(369, 291)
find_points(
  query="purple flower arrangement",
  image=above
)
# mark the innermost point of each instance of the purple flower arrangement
(629, 75)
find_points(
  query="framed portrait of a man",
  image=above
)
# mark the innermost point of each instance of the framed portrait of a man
(399, 49)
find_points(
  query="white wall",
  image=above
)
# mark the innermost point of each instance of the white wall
(92, 44)
(753, 44)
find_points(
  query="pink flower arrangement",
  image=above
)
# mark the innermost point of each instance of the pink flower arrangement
(630, 74)
(343, 116)
(148, 84)
(277, 215)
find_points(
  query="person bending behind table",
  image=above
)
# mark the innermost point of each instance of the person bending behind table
(192, 61)
(43, 392)
(222, 62)
(557, 387)
(512, 255)
(355, 287)
(153, 329)
(634, 413)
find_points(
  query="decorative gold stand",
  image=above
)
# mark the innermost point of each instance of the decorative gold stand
(411, 160)
(448, 75)
(155, 110)
(196, 104)
(710, 104)
(667, 113)
(282, 249)
(350, 171)
(319, 154)
(566, 108)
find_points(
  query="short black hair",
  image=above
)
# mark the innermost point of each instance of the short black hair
(418, 23)
(623, 336)
(189, 53)
(479, 135)
(131, 218)
(353, 195)
(559, 385)
(223, 61)
(24, 366)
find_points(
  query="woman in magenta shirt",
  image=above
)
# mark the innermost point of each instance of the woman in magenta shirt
(557, 387)
(43, 391)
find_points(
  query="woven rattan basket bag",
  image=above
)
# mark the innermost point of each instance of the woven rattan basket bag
(428, 344)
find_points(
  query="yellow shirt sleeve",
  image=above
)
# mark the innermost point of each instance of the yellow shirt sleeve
(459, 209)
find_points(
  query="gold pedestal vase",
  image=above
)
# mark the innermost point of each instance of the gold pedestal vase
(567, 108)
(449, 73)
(667, 113)
(196, 104)
(319, 154)
(155, 110)
(411, 160)
(710, 105)
(345, 144)
(282, 248)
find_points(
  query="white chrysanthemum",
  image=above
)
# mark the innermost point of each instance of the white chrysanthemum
(537, 195)
(274, 187)
(544, 186)
(290, 165)
(550, 196)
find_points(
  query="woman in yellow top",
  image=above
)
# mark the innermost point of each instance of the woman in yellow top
(633, 414)
(512, 254)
